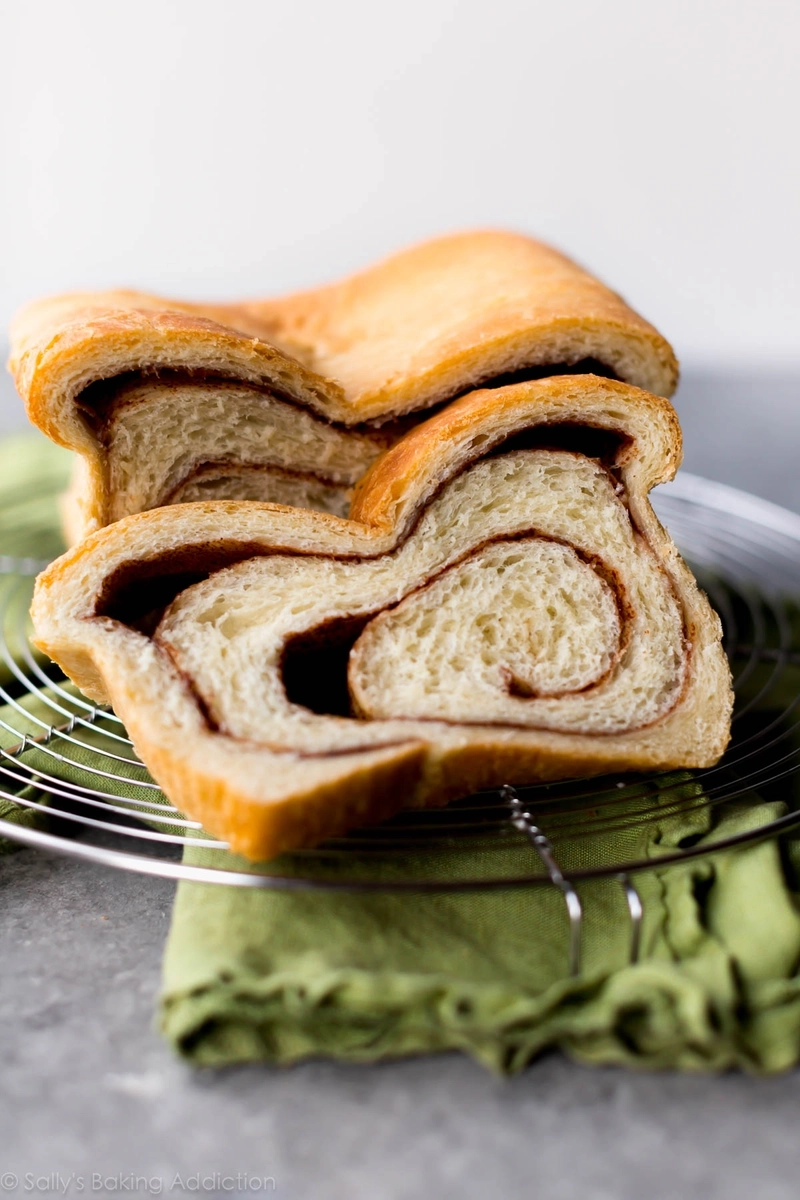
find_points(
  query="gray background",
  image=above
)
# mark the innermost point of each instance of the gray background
(89, 1087)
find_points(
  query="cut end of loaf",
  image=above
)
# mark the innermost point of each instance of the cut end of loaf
(504, 610)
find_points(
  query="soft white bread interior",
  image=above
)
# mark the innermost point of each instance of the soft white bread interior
(299, 457)
(520, 590)
(153, 393)
(503, 606)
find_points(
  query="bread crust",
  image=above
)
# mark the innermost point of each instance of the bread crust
(269, 800)
(396, 339)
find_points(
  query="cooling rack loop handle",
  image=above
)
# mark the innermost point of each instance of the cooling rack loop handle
(522, 820)
(635, 912)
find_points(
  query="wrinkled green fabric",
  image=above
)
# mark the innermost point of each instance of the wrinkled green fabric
(279, 976)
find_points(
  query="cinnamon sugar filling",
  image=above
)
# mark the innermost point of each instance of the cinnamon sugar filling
(314, 662)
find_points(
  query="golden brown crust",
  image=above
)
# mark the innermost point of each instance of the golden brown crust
(257, 830)
(425, 325)
(61, 345)
(448, 314)
(428, 323)
(266, 800)
(406, 475)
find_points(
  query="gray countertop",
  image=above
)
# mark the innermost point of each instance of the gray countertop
(88, 1087)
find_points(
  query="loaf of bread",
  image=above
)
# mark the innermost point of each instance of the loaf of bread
(502, 606)
(290, 400)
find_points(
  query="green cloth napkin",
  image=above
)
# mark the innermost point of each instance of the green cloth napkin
(279, 976)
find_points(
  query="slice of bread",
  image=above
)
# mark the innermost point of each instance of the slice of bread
(502, 606)
(157, 394)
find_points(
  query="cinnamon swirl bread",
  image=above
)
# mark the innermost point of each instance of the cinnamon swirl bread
(503, 605)
(290, 400)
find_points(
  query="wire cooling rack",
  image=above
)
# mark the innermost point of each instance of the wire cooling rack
(70, 763)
